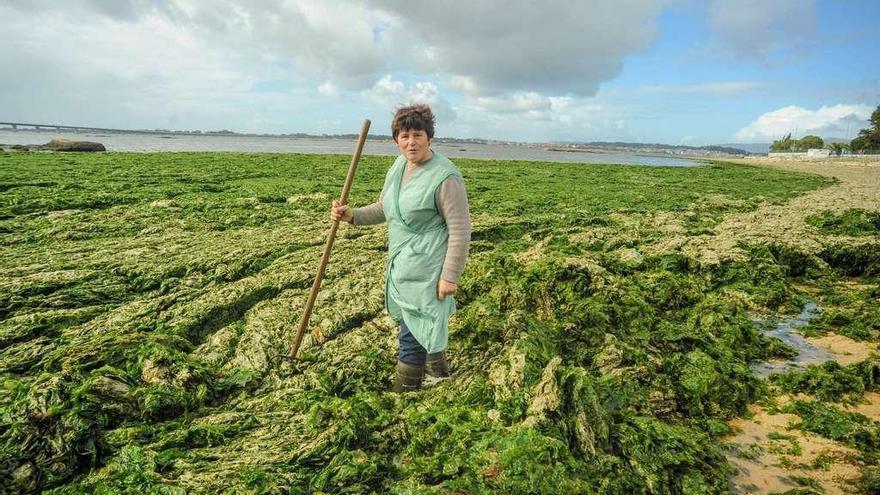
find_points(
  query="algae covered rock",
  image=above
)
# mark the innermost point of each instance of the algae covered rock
(69, 145)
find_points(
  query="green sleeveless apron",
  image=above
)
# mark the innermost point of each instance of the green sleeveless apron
(417, 239)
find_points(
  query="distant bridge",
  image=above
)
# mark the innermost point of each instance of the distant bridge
(76, 128)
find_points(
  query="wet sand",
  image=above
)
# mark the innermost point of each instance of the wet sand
(843, 349)
(780, 462)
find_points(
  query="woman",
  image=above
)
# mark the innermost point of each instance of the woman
(425, 205)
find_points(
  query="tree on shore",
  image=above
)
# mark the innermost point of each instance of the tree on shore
(868, 139)
(782, 145)
(787, 144)
(809, 142)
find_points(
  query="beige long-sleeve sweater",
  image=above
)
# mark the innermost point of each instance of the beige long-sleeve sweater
(452, 203)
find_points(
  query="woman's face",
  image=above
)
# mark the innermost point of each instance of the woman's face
(414, 145)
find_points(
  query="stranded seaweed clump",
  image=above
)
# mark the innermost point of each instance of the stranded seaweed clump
(853, 222)
(831, 382)
(148, 301)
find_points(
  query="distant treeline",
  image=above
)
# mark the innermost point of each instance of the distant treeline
(867, 141)
(649, 146)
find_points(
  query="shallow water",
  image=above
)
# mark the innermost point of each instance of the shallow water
(275, 144)
(786, 331)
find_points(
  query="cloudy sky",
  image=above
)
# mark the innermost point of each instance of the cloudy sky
(672, 71)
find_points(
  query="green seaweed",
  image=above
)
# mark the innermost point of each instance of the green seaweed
(852, 308)
(831, 382)
(869, 480)
(148, 299)
(852, 221)
(853, 429)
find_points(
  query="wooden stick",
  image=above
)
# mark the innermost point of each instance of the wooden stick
(304, 321)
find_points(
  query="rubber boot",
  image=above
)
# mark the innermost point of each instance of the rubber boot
(436, 365)
(408, 377)
(436, 368)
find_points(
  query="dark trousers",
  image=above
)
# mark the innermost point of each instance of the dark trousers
(411, 352)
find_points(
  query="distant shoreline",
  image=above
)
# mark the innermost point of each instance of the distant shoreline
(140, 143)
(607, 147)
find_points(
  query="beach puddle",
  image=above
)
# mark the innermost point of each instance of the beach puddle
(786, 331)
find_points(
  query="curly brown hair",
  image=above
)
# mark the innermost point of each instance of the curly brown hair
(417, 116)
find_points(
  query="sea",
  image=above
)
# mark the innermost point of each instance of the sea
(134, 142)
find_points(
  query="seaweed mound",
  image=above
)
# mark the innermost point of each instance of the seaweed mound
(153, 298)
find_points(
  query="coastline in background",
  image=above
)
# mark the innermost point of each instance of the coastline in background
(233, 143)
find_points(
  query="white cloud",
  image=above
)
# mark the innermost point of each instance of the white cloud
(762, 29)
(78, 68)
(463, 84)
(486, 67)
(556, 47)
(105, 72)
(388, 93)
(328, 89)
(527, 118)
(387, 90)
(726, 88)
(827, 121)
(519, 102)
(200, 64)
(324, 38)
